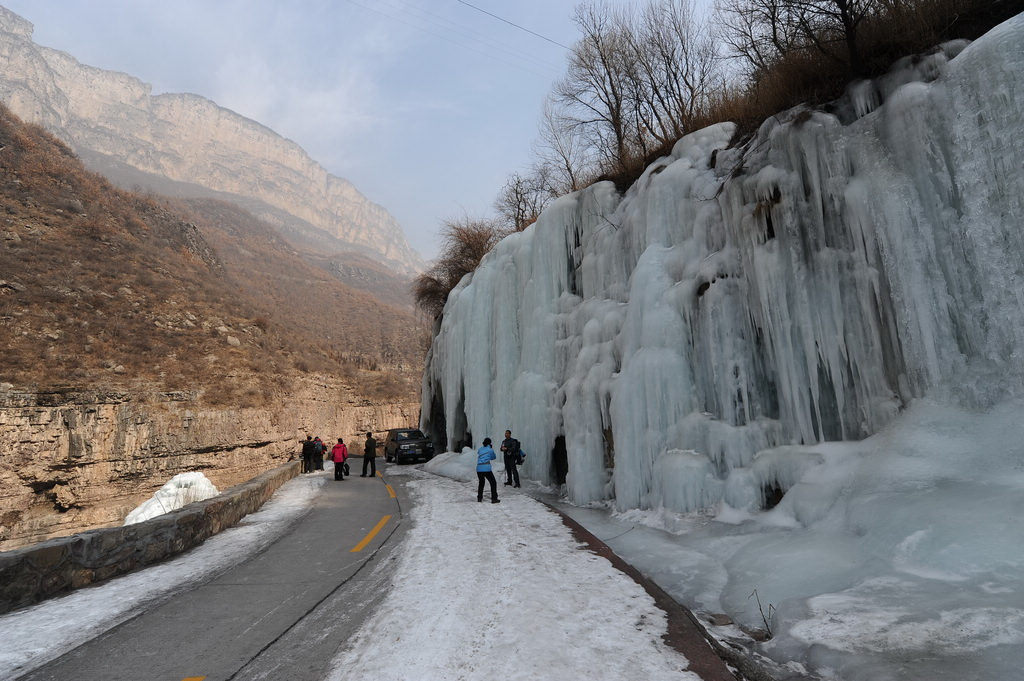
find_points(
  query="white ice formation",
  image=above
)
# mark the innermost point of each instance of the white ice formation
(804, 287)
(179, 491)
(803, 357)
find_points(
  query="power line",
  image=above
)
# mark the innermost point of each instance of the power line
(521, 28)
(523, 66)
(448, 25)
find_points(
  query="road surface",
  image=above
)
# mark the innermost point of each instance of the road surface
(283, 614)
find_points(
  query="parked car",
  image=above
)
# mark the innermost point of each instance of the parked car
(407, 445)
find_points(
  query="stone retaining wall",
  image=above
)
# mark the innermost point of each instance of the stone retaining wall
(34, 573)
(76, 460)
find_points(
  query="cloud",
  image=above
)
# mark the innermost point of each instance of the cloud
(334, 109)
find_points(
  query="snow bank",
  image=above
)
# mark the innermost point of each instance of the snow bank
(459, 465)
(179, 491)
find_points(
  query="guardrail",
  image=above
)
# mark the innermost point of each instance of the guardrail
(34, 573)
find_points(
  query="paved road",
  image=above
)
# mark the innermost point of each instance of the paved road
(282, 614)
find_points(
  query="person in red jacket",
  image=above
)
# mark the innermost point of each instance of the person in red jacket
(339, 453)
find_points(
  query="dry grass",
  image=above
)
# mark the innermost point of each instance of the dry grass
(809, 77)
(118, 290)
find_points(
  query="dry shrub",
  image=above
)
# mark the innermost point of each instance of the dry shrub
(802, 77)
(465, 242)
(814, 72)
(808, 76)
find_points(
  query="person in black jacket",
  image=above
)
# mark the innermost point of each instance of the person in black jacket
(307, 454)
(319, 448)
(369, 454)
(510, 448)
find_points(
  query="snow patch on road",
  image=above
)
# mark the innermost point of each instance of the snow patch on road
(486, 591)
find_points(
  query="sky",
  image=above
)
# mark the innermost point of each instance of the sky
(425, 105)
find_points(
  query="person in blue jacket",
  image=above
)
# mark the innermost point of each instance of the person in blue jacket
(484, 456)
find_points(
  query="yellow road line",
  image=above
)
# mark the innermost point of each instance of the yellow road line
(194, 678)
(391, 490)
(373, 533)
(380, 475)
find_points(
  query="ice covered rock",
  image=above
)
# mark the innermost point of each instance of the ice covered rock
(801, 288)
(179, 491)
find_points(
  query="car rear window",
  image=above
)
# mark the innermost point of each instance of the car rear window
(408, 435)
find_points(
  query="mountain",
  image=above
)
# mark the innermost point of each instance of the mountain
(143, 336)
(95, 278)
(245, 299)
(186, 145)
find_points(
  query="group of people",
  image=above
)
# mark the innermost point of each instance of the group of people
(513, 458)
(313, 449)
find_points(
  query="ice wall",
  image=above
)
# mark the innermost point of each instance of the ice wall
(797, 289)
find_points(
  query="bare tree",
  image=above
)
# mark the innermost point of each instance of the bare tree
(762, 31)
(636, 82)
(561, 151)
(523, 197)
(758, 32)
(677, 65)
(595, 87)
(824, 23)
(464, 242)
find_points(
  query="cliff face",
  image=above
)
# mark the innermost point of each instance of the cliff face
(74, 461)
(185, 141)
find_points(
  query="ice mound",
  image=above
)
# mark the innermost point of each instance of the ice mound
(179, 491)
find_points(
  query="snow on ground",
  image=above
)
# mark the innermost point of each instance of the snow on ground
(33, 636)
(502, 591)
(481, 591)
(899, 557)
(178, 492)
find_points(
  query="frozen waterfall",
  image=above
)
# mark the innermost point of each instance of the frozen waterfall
(802, 288)
(800, 362)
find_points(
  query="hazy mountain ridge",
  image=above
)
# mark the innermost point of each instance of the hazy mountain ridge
(190, 139)
(357, 268)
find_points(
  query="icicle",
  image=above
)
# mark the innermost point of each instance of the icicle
(801, 288)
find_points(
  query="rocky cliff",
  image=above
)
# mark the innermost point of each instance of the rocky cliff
(187, 145)
(76, 460)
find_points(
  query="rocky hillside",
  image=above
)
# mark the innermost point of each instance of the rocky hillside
(75, 460)
(141, 337)
(106, 285)
(185, 145)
